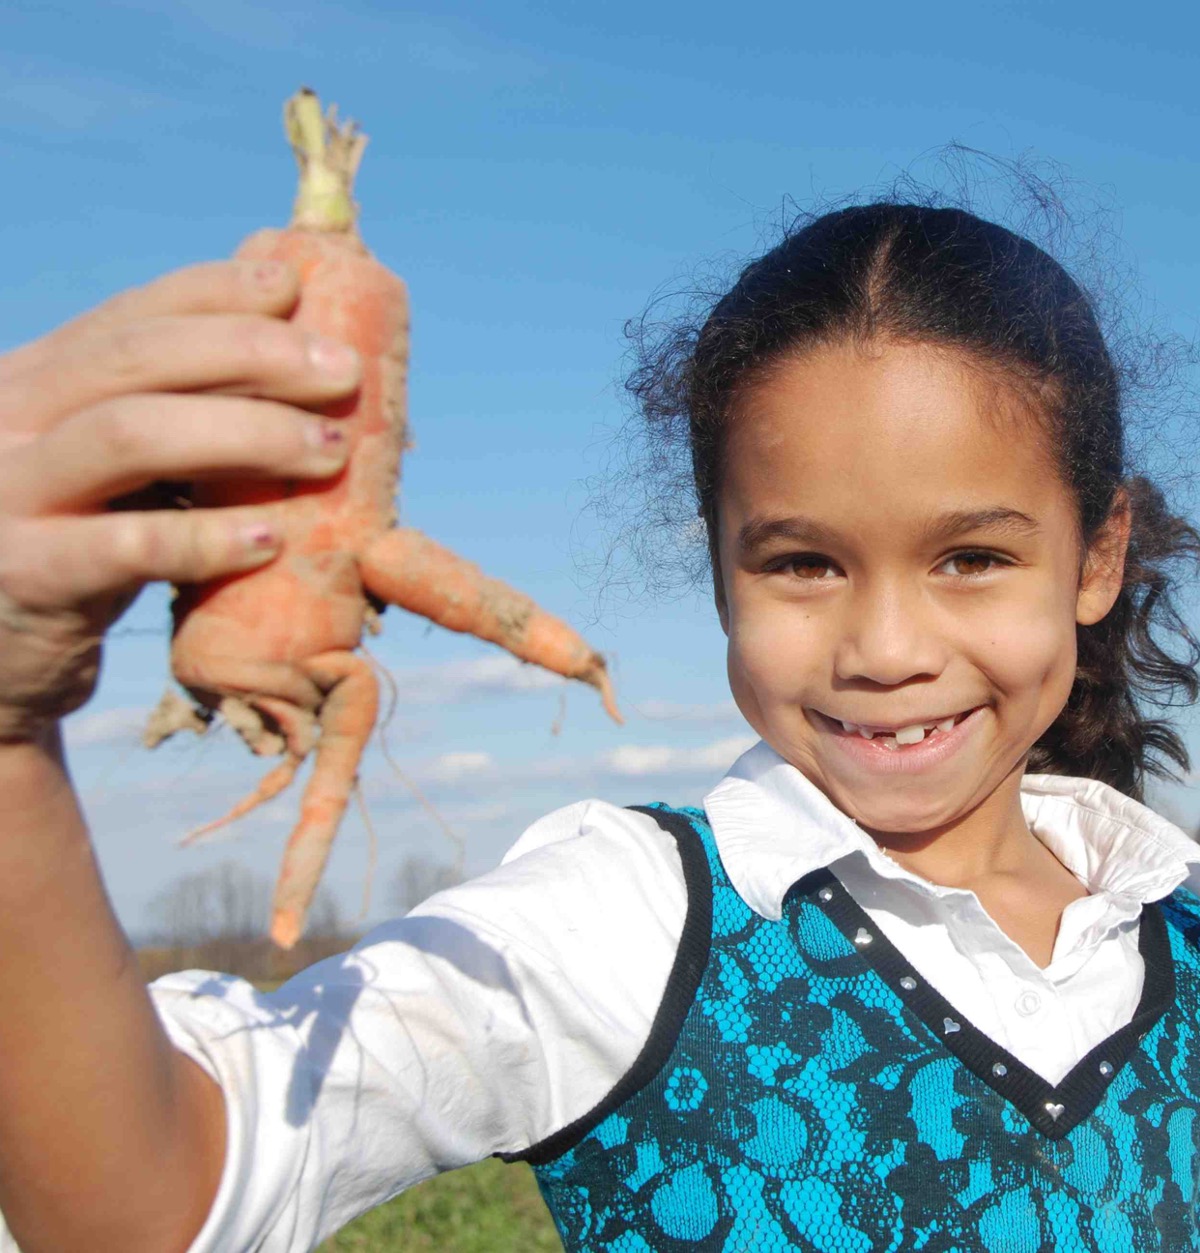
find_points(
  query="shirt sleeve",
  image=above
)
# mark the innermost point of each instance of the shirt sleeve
(483, 1021)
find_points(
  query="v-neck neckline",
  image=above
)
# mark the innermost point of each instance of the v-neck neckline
(1052, 1109)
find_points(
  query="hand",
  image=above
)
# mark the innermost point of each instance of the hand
(197, 375)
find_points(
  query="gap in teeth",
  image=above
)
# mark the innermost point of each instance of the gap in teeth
(903, 735)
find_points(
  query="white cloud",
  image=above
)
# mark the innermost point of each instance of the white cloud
(104, 726)
(452, 682)
(674, 711)
(492, 812)
(457, 768)
(464, 769)
(634, 760)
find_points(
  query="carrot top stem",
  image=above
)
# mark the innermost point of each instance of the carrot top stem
(328, 153)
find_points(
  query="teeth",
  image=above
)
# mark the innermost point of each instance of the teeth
(904, 735)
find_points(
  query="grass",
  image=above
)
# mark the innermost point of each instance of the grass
(487, 1208)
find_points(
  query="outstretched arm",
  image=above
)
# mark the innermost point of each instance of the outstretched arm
(109, 1138)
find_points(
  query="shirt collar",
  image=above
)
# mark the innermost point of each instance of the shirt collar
(773, 826)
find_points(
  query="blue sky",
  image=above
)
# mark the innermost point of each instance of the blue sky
(535, 173)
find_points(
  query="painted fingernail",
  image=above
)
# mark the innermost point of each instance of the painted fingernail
(258, 536)
(330, 356)
(269, 273)
(327, 437)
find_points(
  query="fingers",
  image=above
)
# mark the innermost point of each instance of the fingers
(234, 353)
(209, 287)
(118, 446)
(51, 562)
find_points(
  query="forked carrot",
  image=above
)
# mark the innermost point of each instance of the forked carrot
(272, 650)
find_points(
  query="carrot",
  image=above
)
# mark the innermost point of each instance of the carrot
(272, 651)
(406, 568)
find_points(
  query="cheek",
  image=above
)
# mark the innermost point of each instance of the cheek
(774, 654)
(1033, 661)
(753, 685)
(753, 638)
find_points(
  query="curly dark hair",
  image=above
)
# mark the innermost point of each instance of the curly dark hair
(942, 275)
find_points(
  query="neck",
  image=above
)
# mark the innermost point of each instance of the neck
(992, 839)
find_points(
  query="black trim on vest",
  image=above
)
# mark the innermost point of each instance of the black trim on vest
(682, 984)
(1052, 1110)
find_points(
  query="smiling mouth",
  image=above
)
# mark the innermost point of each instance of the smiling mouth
(898, 737)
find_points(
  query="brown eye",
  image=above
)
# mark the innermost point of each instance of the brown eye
(808, 567)
(977, 563)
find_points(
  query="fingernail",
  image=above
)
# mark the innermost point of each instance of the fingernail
(331, 356)
(269, 273)
(258, 536)
(327, 437)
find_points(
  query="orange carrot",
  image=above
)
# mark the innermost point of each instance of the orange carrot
(272, 650)
(404, 567)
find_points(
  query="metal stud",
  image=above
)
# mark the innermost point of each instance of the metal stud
(862, 937)
(999, 1069)
(1106, 1069)
(826, 894)
(949, 1026)
(908, 983)
(1053, 1110)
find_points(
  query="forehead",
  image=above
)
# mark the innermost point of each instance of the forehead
(896, 432)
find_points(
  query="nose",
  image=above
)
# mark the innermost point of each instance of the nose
(888, 636)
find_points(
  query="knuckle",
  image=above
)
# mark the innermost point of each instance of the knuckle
(27, 578)
(127, 351)
(138, 547)
(119, 433)
(14, 561)
(270, 346)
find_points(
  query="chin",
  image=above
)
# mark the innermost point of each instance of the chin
(898, 815)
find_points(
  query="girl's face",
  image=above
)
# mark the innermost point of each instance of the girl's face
(895, 550)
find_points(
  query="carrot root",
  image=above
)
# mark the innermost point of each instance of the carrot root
(272, 784)
(347, 719)
(406, 568)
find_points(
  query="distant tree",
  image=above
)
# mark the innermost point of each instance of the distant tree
(228, 902)
(216, 919)
(417, 878)
(325, 916)
(225, 902)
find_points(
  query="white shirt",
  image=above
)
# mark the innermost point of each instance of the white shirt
(501, 1010)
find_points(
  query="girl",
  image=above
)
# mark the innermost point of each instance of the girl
(923, 971)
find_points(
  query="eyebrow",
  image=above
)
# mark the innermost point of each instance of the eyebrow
(801, 530)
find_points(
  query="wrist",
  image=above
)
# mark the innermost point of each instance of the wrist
(41, 820)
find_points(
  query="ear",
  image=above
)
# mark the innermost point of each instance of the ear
(1104, 564)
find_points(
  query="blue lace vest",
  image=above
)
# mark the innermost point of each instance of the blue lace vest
(804, 1088)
